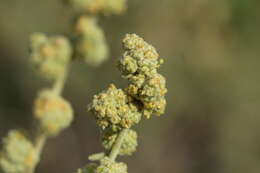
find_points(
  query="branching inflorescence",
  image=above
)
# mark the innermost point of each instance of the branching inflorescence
(51, 56)
(115, 110)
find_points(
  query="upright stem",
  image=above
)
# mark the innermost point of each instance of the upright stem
(116, 147)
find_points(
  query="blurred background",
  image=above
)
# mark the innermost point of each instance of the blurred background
(211, 52)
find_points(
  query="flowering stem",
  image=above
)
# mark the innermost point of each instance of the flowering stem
(116, 147)
(41, 137)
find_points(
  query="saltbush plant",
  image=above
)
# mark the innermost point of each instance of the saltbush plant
(115, 110)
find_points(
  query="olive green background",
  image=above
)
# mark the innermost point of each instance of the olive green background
(211, 52)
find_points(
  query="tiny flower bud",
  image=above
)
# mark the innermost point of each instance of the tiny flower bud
(18, 154)
(52, 112)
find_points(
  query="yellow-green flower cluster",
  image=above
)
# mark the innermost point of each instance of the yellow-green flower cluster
(129, 143)
(106, 166)
(52, 112)
(109, 166)
(99, 6)
(114, 110)
(117, 109)
(18, 154)
(139, 66)
(50, 55)
(90, 43)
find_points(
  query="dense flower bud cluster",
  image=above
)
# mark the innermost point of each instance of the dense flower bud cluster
(18, 154)
(90, 43)
(113, 109)
(106, 166)
(109, 166)
(139, 66)
(52, 112)
(117, 110)
(99, 6)
(51, 55)
(129, 143)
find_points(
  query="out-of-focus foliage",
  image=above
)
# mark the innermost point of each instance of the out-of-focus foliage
(90, 42)
(50, 55)
(18, 154)
(211, 51)
(53, 112)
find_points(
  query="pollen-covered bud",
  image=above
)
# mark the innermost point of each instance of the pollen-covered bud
(18, 154)
(52, 112)
(50, 55)
(90, 42)
(114, 110)
(89, 168)
(129, 143)
(106, 7)
(109, 166)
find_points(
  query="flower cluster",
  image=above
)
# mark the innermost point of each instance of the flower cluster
(52, 113)
(18, 154)
(90, 43)
(106, 166)
(50, 55)
(109, 166)
(114, 110)
(99, 6)
(117, 110)
(139, 66)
